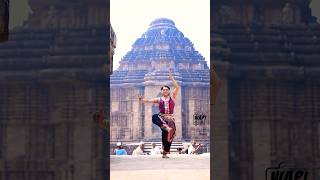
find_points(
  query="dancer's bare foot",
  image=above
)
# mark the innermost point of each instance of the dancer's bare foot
(165, 156)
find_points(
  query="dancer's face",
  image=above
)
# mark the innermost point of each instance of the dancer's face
(165, 91)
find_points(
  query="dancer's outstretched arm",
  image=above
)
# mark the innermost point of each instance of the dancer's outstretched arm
(176, 87)
(144, 100)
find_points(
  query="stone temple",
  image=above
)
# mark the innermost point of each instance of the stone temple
(52, 79)
(144, 69)
(267, 111)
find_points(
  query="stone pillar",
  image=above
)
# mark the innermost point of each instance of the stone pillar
(136, 117)
(220, 127)
(83, 151)
(150, 92)
(191, 110)
(258, 125)
(261, 145)
(178, 115)
(220, 133)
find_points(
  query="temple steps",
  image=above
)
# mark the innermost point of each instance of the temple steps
(31, 35)
(308, 59)
(21, 63)
(271, 47)
(306, 49)
(79, 41)
(148, 146)
(86, 41)
(26, 44)
(77, 50)
(41, 49)
(84, 32)
(12, 53)
(75, 60)
(173, 149)
(280, 44)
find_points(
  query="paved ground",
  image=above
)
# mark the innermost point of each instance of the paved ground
(178, 166)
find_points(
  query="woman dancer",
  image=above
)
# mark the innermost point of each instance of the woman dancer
(165, 119)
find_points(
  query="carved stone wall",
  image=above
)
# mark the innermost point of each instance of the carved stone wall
(68, 14)
(267, 108)
(51, 83)
(260, 12)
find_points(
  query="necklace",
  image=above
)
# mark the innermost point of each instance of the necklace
(166, 99)
(166, 105)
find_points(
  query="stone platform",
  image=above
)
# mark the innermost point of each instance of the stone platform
(178, 166)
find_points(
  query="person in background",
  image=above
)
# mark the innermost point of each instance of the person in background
(155, 149)
(185, 148)
(194, 148)
(120, 150)
(139, 150)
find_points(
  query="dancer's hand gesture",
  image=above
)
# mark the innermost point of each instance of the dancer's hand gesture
(175, 84)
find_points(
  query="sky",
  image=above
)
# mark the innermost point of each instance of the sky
(130, 19)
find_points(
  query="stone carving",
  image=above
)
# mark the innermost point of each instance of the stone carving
(287, 14)
(52, 15)
(263, 88)
(258, 16)
(227, 14)
(45, 107)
